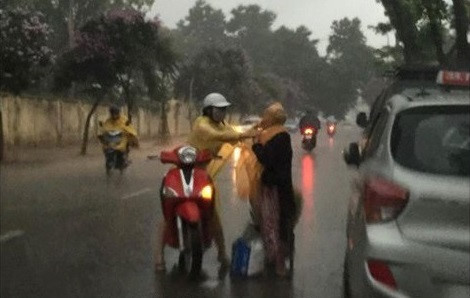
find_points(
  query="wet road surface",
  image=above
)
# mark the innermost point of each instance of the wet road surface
(68, 232)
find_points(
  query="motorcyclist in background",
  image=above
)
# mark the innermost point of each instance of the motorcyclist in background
(212, 133)
(310, 119)
(331, 120)
(118, 123)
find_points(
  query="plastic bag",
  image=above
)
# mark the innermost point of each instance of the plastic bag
(242, 181)
(248, 254)
(248, 174)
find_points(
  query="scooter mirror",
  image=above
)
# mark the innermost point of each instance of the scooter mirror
(204, 156)
(169, 157)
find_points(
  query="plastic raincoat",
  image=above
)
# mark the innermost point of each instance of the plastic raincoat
(219, 138)
(121, 124)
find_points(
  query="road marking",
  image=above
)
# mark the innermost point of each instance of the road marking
(210, 284)
(136, 194)
(11, 235)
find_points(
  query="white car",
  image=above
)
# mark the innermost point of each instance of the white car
(408, 226)
(247, 123)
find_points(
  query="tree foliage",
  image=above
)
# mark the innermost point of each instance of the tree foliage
(23, 50)
(115, 49)
(66, 16)
(422, 30)
(217, 69)
(283, 63)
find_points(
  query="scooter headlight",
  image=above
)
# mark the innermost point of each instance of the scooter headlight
(187, 154)
(309, 131)
(207, 192)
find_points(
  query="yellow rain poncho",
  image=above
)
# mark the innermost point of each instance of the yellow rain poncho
(121, 124)
(248, 170)
(219, 138)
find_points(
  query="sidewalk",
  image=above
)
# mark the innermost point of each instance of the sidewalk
(52, 155)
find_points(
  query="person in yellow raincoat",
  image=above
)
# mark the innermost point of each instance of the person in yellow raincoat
(212, 133)
(116, 136)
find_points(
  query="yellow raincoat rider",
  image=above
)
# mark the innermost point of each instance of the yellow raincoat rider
(212, 133)
(118, 123)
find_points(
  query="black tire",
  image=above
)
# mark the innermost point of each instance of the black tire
(110, 162)
(291, 242)
(346, 293)
(309, 146)
(190, 259)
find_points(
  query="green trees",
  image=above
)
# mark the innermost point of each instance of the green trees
(66, 16)
(280, 64)
(119, 50)
(23, 50)
(217, 69)
(422, 30)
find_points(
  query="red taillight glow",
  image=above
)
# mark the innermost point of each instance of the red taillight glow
(381, 272)
(383, 200)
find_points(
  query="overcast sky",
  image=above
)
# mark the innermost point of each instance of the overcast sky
(317, 15)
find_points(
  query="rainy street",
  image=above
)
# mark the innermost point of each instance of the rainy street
(68, 232)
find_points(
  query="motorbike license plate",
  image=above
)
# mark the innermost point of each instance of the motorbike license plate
(308, 137)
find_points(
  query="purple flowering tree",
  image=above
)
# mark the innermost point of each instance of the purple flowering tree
(23, 49)
(115, 52)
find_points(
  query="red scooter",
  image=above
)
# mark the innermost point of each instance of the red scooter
(187, 197)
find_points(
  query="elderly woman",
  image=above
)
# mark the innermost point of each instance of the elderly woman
(275, 200)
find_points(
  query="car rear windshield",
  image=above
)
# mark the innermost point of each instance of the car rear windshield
(433, 139)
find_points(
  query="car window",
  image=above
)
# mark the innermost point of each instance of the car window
(433, 139)
(376, 134)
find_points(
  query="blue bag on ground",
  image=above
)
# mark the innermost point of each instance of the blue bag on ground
(248, 254)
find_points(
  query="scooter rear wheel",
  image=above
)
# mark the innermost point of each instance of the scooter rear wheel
(190, 259)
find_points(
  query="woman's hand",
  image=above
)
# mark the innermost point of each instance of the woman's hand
(251, 133)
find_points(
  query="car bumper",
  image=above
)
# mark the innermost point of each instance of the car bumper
(419, 270)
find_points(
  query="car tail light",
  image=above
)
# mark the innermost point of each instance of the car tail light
(381, 272)
(383, 200)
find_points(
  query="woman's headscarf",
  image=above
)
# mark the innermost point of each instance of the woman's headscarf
(248, 168)
(272, 123)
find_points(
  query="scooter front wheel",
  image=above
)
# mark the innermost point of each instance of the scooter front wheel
(190, 259)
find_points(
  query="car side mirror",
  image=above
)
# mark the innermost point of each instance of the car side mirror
(361, 120)
(352, 155)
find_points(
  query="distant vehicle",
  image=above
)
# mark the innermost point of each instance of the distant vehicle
(247, 123)
(292, 125)
(331, 129)
(408, 225)
(309, 138)
(115, 159)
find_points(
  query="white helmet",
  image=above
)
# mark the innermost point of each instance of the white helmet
(215, 100)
